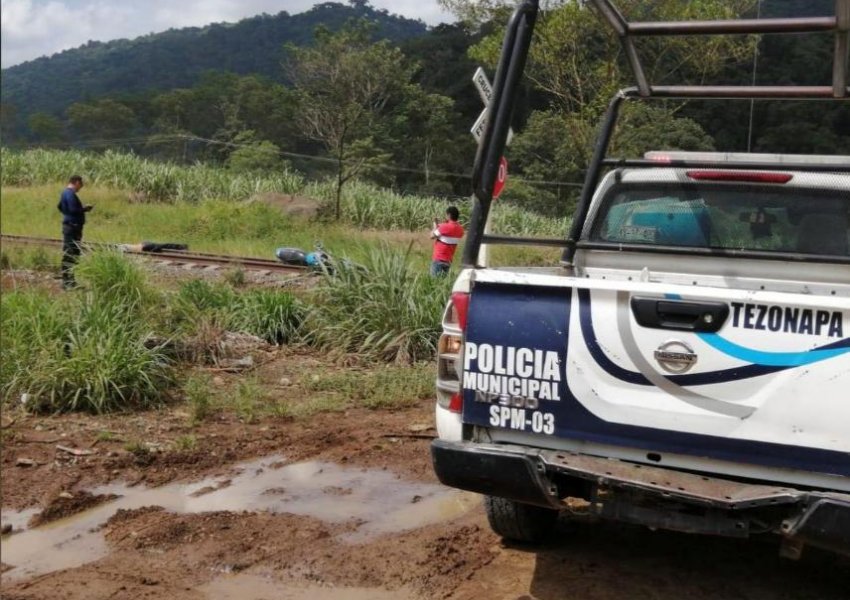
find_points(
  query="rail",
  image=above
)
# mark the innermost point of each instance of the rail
(172, 256)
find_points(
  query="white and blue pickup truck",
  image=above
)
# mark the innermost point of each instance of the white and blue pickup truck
(687, 364)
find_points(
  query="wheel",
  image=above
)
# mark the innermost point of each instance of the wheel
(520, 522)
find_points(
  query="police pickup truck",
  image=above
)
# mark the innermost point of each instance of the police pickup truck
(687, 364)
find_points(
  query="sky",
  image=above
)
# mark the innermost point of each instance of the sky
(33, 28)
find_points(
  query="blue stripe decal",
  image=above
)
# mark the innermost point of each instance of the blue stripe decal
(636, 378)
(761, 363)
(772, 359)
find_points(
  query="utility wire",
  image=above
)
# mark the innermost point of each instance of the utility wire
(384, 167)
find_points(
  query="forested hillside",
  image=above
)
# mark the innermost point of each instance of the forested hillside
(177, 58)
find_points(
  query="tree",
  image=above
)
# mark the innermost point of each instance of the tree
(104, 119)
(343, 85)
(253, 155)
(46, 128)
(426, 138)
(8, 120)
(578, 63)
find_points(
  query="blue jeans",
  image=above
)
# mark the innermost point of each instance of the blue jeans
(440, 268)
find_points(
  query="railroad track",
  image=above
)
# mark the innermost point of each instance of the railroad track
(170, 256)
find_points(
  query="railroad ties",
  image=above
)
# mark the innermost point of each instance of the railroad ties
(188, 260)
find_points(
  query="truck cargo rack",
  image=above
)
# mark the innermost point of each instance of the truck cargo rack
(512, 61)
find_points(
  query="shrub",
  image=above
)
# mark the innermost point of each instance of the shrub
(91, 351)
(273, 315)
(79, 353)
(388, 310)
(111, 277)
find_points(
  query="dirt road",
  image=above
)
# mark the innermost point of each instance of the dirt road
(340, 506)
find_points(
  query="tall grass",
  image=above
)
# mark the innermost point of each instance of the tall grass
(112, 279)
(151, 181)
(369, 207)
(272, 315)
(79, 352)
(386, 310)
(249, 228)
(364, 205)
(109, 345)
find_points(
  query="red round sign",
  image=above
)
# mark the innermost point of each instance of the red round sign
(501, 177)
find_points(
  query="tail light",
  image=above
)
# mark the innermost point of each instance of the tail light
(449, 353)
(460, 307)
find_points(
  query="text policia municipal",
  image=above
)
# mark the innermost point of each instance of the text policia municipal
(511, 372)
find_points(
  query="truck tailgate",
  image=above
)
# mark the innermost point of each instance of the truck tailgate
(566, 361)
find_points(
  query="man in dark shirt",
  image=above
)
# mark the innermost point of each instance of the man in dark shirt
(73, 218)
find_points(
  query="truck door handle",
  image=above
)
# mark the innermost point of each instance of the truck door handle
(682, 315)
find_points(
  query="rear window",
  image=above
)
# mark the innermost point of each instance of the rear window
(726, 217)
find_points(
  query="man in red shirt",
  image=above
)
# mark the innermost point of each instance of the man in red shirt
(446, 236)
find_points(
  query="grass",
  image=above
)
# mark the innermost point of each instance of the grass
(106, 436)
(202, 308)
(250, 229)
(149, 181)
(136, 447)
(186, 443)
(388, 310)
(199, 395)
(114, 345)
(33, 258)
(235, 276)
(384, 387)
(215, 210)
(109, 345)
(250, 400)
(88, 351)
(369, 207)
(272, 315)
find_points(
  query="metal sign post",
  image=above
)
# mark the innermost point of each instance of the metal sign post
(485, 91)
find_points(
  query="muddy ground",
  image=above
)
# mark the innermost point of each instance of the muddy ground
(339, 505)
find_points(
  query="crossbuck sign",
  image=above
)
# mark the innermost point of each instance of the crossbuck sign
(485, 90)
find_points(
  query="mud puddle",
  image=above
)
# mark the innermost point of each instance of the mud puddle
(376, 502)
(17, 519)
(257, 587)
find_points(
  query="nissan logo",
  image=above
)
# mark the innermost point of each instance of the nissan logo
(675, 357)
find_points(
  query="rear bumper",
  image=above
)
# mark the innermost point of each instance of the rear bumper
(646, 495)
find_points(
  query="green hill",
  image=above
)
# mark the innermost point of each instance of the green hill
(178, 57)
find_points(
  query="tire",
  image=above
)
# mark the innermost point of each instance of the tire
(520, 522)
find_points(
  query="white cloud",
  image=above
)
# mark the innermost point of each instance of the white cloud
(33, 28)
